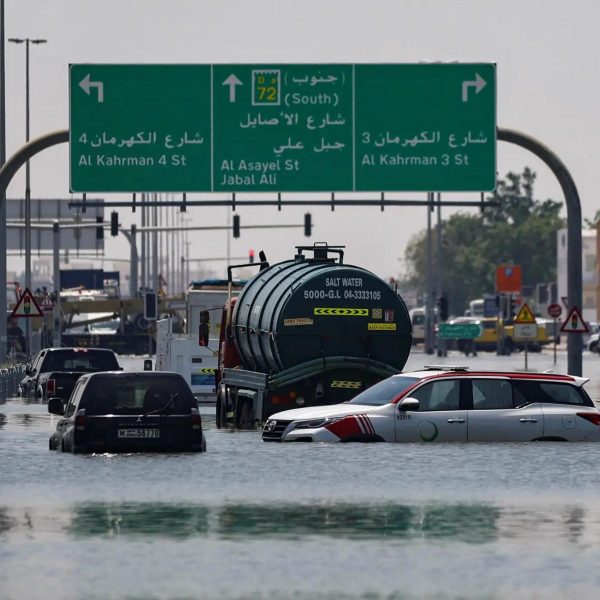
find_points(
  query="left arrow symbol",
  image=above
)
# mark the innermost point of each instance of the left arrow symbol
(85, 84)
(232, 81)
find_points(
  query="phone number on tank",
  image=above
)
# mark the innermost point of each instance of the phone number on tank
(347, 295)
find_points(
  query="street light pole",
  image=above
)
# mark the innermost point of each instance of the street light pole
(27, 41)
(3, 325)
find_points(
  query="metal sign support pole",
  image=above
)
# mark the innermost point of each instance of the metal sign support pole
(429, 285)
(554, 330)
(56, 281)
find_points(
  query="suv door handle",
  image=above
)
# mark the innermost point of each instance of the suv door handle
(528, 420)
(456, 420)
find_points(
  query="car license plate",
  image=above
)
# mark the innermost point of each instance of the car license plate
(138, 433)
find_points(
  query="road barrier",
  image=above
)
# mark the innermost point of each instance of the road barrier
(10, 376)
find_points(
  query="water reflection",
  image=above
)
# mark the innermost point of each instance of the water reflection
(29, 419)
(471, 523)
(462, 522)
(140, 518)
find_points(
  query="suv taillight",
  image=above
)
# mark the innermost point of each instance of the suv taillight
(80, 419)
(196, 419)
(592, 417)
(51, 387)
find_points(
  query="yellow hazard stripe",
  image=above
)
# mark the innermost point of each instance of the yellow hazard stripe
(352, 385)
(341, 312)
(208, 370)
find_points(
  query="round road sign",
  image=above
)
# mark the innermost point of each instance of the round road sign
(554, 310)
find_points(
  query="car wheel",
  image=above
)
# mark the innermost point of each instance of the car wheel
(594, 347)
(65, 446)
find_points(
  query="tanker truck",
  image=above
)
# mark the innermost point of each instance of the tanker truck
(304, 332)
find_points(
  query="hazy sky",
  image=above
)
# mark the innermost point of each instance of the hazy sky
(547, 87)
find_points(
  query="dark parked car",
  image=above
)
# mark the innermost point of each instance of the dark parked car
(128, 411)
(54, 371)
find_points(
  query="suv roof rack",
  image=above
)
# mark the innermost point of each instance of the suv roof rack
(444, 368)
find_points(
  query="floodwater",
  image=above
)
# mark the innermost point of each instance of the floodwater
(254, 520)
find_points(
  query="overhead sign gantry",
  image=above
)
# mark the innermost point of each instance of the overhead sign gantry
(282, 128)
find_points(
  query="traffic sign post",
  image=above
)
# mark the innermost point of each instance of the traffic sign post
(525, 327)
(294, 127)
(554, 311)
(525, 331)
(27, 306)
(525, 315)
(574, 322)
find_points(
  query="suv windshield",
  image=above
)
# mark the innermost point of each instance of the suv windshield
(133, 395)
(384, 391)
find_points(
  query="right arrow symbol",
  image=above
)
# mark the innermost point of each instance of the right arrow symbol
(232, 81)
(478, 83)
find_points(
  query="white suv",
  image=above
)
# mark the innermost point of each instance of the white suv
(450, 404)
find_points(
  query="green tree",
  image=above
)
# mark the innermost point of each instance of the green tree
(591, 223)
(518, 229)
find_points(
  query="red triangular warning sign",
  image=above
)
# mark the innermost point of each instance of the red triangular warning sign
(525, 315)
(574, 322)
(27, 306)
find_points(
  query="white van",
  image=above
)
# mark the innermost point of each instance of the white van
(417, 319)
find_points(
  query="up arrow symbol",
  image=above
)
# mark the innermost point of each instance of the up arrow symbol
(85, 84)
(232, 81)
(478, 83)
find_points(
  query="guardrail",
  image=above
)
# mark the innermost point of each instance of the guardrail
(10, 376)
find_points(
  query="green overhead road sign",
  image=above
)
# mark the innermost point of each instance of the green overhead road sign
(459, 331)
(283, 128)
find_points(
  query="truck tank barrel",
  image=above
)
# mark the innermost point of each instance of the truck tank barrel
(299, 310)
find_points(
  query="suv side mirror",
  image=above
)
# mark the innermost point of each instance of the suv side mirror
(56, 406)
(407, 404)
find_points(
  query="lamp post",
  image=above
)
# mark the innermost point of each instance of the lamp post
(27, 41)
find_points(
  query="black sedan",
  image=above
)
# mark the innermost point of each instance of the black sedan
(128, 411)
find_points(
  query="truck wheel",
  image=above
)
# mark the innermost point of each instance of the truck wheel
(244, 415)
(140, 322)
(141, 347)
(220, 412)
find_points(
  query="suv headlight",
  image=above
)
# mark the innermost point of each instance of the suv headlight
(315, 423)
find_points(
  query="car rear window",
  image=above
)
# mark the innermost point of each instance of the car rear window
(384, 391)
(550, 392)
(136, 395)
(80, 360)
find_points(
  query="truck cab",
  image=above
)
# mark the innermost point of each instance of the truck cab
(194, 352)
